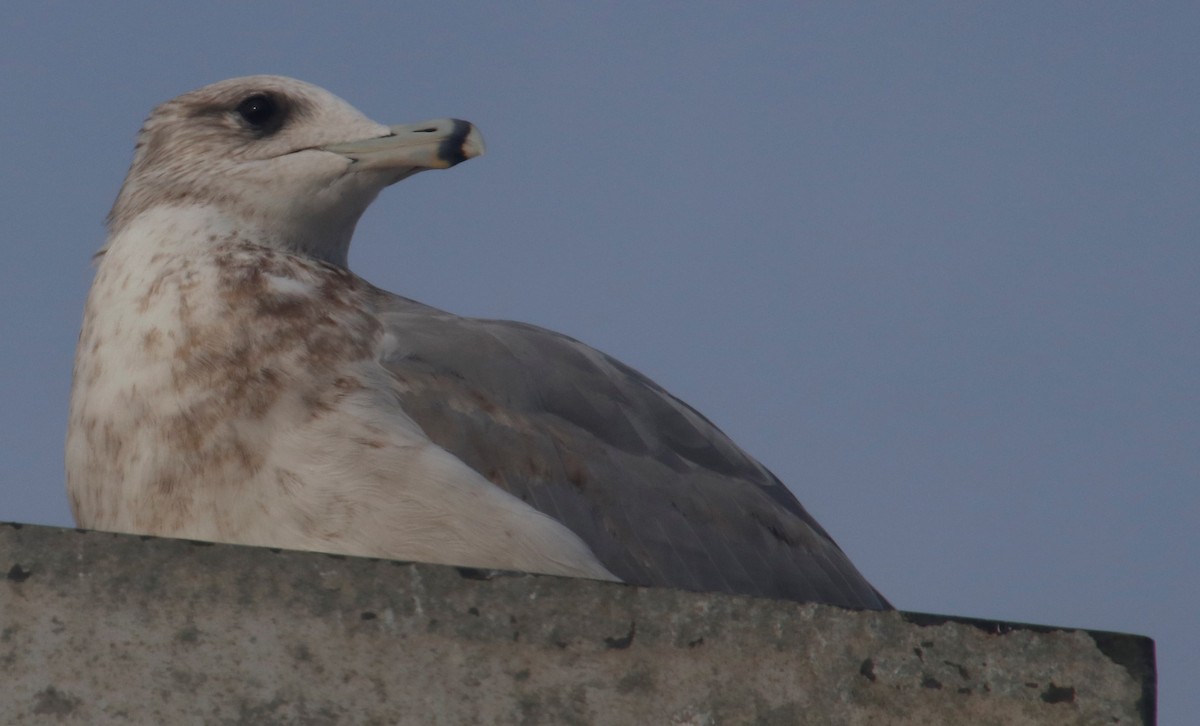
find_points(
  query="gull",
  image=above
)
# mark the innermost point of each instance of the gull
(235, 382)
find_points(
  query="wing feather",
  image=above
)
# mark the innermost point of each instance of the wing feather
(657, 491)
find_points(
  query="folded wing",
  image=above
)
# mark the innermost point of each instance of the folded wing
(657, 491)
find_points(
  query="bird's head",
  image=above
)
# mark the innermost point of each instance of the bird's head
(291, 161)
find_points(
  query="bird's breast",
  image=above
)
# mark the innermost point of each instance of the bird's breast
(188, 363)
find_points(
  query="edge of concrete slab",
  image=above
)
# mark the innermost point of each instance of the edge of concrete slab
(96, 626)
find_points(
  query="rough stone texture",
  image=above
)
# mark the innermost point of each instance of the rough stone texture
(102, 628)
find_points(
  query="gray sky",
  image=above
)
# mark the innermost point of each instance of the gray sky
(936, 265)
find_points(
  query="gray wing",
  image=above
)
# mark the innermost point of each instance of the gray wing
(660, 494)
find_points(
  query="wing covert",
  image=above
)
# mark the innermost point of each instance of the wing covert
(657, 491)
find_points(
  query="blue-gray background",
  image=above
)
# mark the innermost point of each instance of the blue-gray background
(936, 265)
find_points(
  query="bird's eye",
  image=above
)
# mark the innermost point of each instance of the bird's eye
(261, 112)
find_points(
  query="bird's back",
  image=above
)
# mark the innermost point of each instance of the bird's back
(658, 492)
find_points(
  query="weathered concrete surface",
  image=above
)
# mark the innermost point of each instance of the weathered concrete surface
(104, 628)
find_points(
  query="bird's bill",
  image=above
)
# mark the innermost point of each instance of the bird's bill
(437, 144)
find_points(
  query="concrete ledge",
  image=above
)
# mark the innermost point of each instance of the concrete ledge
(100, 628)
